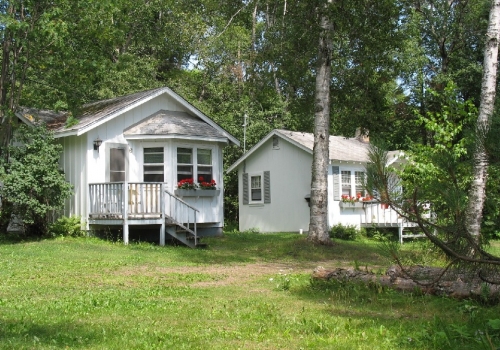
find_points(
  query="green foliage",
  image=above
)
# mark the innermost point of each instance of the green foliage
(67, 226)
(348, 233)
(32, 182)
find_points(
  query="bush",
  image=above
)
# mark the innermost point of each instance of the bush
(348, 233)
(65, 226)
(32, 182)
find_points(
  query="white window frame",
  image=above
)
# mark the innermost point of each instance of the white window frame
(250, 199)
(352, 184)
(194, 160)
(346, 184)
(144, 164)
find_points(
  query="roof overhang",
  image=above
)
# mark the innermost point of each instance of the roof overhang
(174, 136)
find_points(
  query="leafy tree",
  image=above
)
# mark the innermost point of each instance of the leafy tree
(33, 185)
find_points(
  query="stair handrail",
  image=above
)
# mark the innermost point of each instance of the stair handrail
(176, 216)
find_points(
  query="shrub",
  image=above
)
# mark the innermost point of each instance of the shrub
(65, 226)
(348, 233)
(32, 182)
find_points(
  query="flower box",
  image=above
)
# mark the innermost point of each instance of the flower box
(351, 205)
(196, 193)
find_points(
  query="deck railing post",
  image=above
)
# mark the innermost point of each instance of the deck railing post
(125, 211)
(162, 195)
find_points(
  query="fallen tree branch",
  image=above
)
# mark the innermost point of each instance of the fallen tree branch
(453, 284)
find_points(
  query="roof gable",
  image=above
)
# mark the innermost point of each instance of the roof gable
(340, 148)
(97, 113)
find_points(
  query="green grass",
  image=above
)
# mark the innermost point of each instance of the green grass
(247, 291)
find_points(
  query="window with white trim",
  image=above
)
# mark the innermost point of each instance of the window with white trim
(359, 179)
(184, 163)
(154, 170)
(256, 189)
(195, 163)
(204, 162)
(345, 177)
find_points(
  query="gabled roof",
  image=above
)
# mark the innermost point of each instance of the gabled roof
(340, 148)
(94, 114)
(169, 123)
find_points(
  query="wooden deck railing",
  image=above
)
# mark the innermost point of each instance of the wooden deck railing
(143, 199)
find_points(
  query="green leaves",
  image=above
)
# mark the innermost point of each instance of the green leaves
(32, 182)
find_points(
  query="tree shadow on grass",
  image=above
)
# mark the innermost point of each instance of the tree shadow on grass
(17, 334)
(284, 248)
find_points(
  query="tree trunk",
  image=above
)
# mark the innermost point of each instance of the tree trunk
(318, 226)
(477, 194)
(426, 280)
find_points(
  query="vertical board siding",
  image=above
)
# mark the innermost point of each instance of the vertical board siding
(267, 187)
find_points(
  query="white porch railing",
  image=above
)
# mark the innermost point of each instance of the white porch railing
(143, 199)
(375, 214)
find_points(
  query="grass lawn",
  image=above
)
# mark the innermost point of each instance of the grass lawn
(246, 291)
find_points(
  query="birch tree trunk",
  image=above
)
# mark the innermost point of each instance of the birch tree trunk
(318, 225)
(477, 194)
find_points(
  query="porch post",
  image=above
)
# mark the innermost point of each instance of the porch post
(125, 211)
(163, 218)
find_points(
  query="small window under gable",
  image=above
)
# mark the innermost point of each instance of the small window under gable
(276, 142)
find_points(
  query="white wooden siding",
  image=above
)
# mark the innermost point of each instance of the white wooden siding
(83, 165)
(290, 172)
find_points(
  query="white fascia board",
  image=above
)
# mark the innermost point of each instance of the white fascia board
(202, 116)
(351, 162)
(250, 151)
(293, 142)
(163, 137)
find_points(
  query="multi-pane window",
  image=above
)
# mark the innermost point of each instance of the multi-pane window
(154, 170)
(256, 188)
(194, 163)
(184, 163)
(116, 164)
(359, 178)
(204, 168)
(345, 177)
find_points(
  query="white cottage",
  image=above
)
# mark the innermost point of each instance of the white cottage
(126, 155)
(274, 183)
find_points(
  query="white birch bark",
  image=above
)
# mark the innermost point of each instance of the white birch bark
(477, 194)
(318, 224)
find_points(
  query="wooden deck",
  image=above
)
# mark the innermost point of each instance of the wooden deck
(375, 215)
(143, 203)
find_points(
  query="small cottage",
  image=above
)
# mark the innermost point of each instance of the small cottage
(125, 157)
(274, 182)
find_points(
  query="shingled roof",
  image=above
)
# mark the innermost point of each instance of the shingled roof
(96, 113)
(341, 148)
(168, 123)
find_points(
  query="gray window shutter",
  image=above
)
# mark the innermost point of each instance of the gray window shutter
(267, 187)
(336, 183)
(245, 188)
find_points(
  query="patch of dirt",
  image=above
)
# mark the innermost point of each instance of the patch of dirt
(224, 274)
